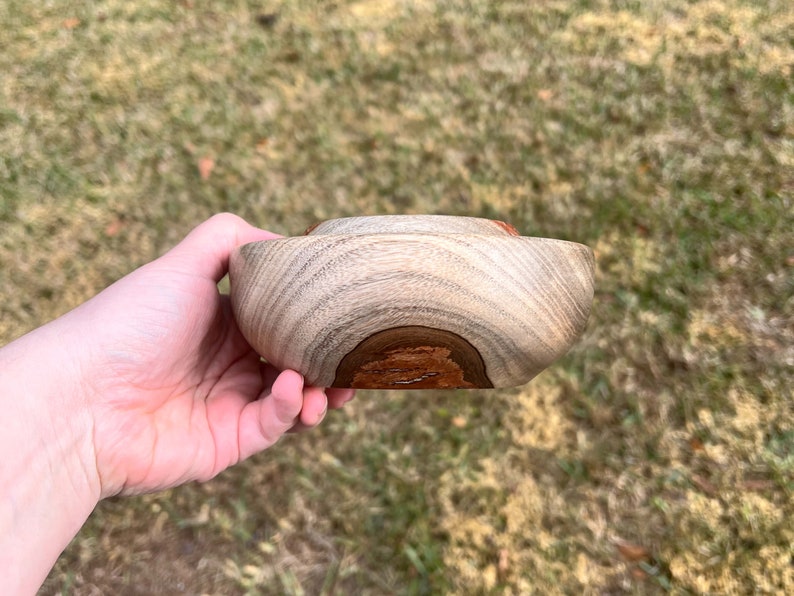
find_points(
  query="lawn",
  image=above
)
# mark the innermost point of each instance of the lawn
(658, 455)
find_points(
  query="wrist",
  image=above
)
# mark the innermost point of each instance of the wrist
(48, 478)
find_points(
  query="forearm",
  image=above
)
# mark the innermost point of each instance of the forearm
(47, 486)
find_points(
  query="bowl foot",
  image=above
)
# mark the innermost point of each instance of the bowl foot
(413, 357)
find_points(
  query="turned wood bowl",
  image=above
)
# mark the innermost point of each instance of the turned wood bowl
(412, 302)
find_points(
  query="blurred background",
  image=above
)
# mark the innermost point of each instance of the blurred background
(658, 455)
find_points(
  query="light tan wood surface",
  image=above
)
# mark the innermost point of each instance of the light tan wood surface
(412, 302)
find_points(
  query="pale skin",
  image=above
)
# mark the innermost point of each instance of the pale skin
(146, 386)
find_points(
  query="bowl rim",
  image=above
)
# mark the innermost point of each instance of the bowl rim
(502, 226)
(412, 238)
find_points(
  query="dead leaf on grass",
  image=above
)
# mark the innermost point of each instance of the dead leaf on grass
(205, 167)
(113, 228)
(638, 574)
(758, 485)
(705, 485)
(632, 552)
(71, 23)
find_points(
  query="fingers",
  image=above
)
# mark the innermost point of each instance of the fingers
(290, 406)
(205, 251)
(335, 398)
(264, 421)
(315, 405)
(339, 397)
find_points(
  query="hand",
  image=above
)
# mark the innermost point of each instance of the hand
(147, 385)
(175, 391)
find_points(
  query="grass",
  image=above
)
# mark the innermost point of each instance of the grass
(656, 456)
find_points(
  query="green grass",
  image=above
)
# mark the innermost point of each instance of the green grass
(658, 133)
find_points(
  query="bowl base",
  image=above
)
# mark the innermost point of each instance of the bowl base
(413, 357)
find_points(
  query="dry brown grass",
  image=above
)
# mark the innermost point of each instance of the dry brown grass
(656, 456)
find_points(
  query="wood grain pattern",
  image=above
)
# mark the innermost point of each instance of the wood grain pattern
(412, 224)
(448, 302)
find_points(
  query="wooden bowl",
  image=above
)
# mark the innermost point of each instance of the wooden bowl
(412, 302)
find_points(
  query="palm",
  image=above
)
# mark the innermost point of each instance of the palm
(184, 396)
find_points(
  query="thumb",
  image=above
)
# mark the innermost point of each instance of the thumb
(205, 251)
